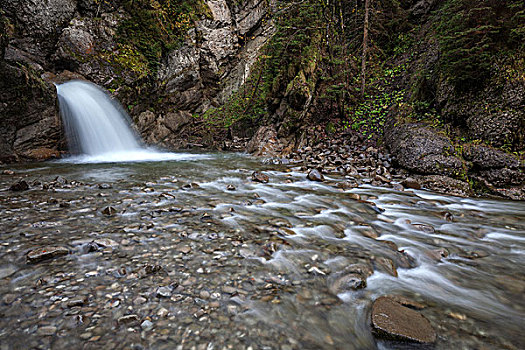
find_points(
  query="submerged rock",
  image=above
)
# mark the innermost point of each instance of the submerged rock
(315, 175)
(391, 320)
(45, 253)
(109, 211)
(258, 176)
(19, 186)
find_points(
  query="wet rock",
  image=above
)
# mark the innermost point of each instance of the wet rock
(315, 175)
(76, 302)
(258, 176)
(163, 292)
(265, 142)
(406, 302)
(485, 157)
(8, 298)
(47, 330)
(391, 320)
(229, 289)
(105, 243)
(345, 185)
(151, 269)
(128, 319)
(146, 325)
(185, 249)
(438, 254)
(45, 253)
(104, 186)
(60, 180)
(19, 186)
(230, 188)
(445, 184)
(6, 271)
(109, 211)
(352, 277)
(422, 149)
(411, 183)
(8, 172)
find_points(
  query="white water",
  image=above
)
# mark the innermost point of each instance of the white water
(98, 129)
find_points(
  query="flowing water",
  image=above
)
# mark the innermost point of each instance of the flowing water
(246, 264)
(98, 129)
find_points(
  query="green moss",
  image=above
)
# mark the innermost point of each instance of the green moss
(155, 27)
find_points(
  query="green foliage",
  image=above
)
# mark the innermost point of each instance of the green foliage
(155, 27)
(472, 33)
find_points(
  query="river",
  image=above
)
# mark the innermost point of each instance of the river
(212, 260)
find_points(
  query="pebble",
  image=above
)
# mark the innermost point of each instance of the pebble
(128, 319)
(229, 289)
(146, 325)
(185, 249)
(164, 292)
(47, 330)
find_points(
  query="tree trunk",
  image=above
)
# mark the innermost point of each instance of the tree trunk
(365, 48)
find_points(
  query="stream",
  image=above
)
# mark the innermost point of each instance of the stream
(193, 254)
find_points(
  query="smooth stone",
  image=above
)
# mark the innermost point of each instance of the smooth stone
(128, 319)
(146, 325)
(105, 243)
(47, 330)
(44, 253)
(258, 176)
(229, 289)
(315, 175)
(392, 320)
(164, 292)
(411, 183)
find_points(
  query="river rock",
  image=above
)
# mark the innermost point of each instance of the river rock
(109, 211)
(353, 277)
(391, 320)
(45, 253)
(47, 330)
(19, 186)
(411, 183)
(315, 175)
(128, 319)
(258, 176)
(163, 292)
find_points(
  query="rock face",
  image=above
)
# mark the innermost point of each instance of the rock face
(392, 320)
(42, 39)
(427, 151)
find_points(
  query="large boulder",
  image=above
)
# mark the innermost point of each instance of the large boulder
(423, 150)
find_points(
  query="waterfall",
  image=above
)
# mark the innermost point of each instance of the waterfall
(98, 129)
(94, 123)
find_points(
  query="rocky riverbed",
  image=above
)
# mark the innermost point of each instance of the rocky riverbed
(203, 253)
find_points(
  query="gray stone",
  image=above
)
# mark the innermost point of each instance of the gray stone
(392, 320)
(44, 253)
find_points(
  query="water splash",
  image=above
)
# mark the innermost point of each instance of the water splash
(99, 130)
